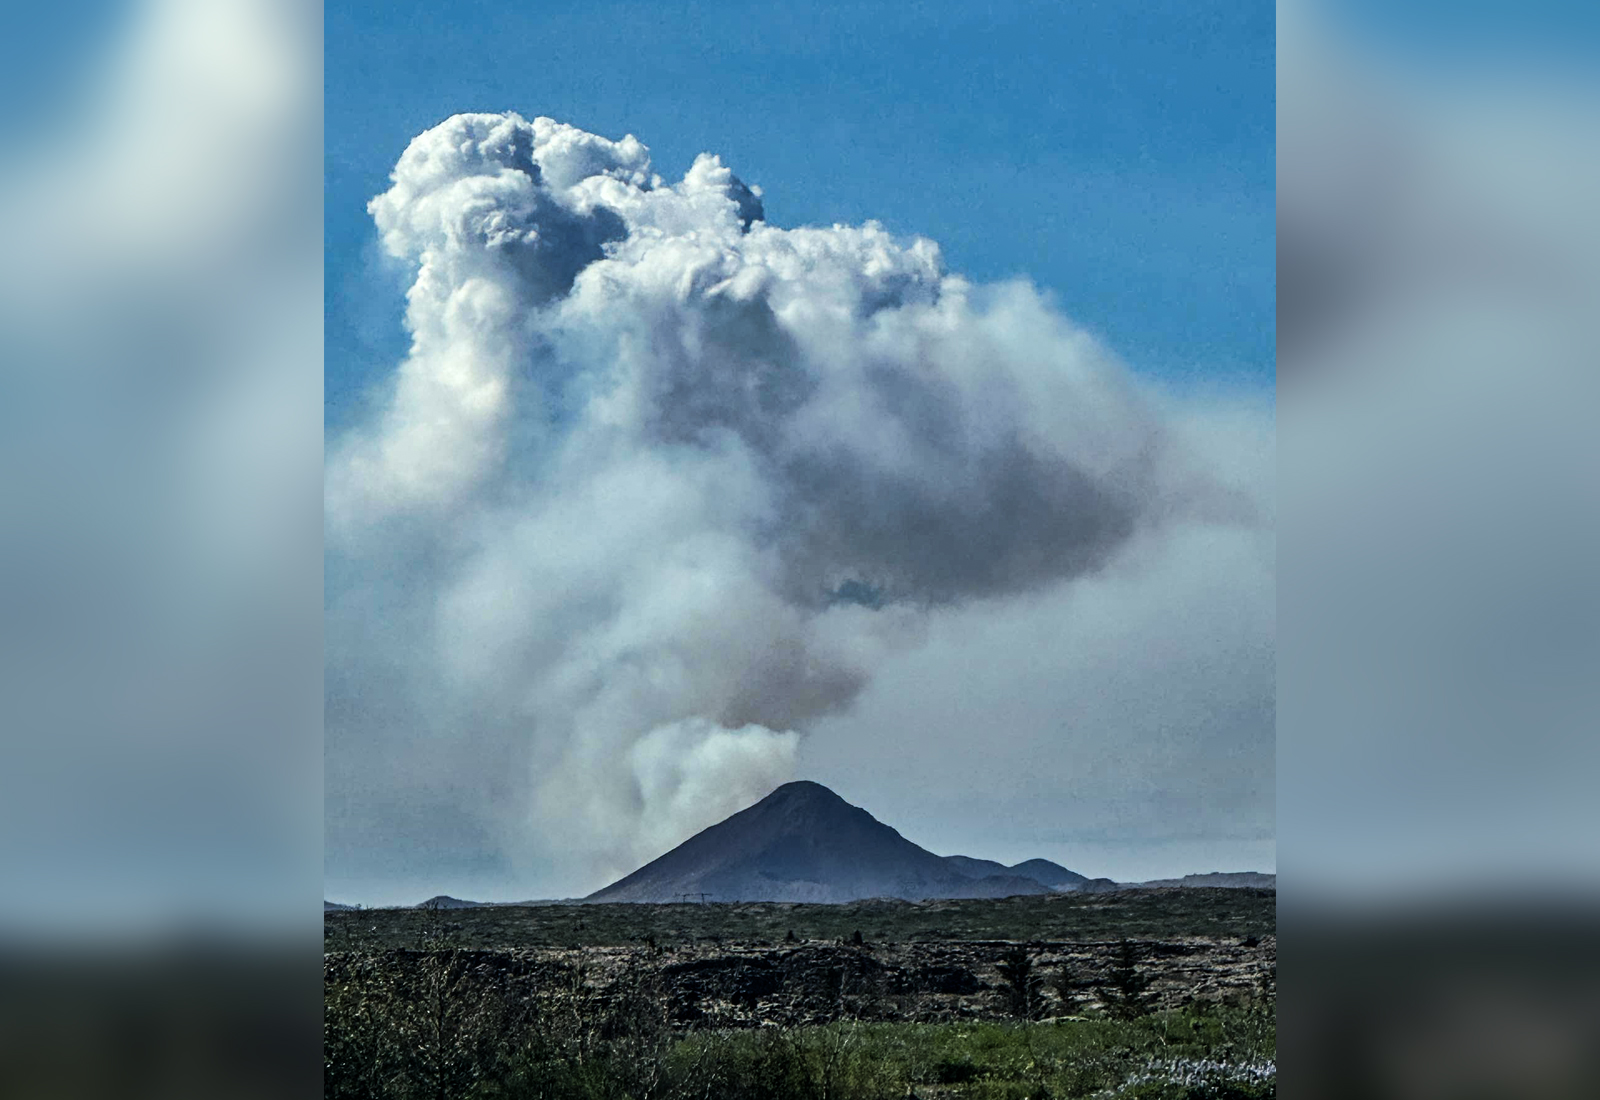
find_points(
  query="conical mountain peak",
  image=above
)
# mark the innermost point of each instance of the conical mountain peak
(804, 843)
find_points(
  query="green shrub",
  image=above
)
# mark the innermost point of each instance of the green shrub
(451, 1023)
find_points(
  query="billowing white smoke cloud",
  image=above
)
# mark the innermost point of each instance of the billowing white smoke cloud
(660, 484)
(695, 770)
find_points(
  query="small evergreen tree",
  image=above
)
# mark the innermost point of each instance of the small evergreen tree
(1069, 987)
(1022, 982)
(1126, 992)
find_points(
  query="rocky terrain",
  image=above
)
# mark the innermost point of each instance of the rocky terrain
(748, 985)
(1083, 917)
(768, 963)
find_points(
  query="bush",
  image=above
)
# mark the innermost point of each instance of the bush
(954, 1071)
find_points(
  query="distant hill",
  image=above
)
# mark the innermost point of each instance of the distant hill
(1052, 874)
(803, 843)
(1042, 871)
(445, 901)
(1105, 885)
(1234, 879)
(334, 907)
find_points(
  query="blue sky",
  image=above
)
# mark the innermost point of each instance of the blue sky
(1119, 154)
(1122, 156)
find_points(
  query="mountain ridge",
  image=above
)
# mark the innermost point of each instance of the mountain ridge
(803, 843)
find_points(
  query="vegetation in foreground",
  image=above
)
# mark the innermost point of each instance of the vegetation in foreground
(433, 1004)
(1209, 1051)
(1212, 1051)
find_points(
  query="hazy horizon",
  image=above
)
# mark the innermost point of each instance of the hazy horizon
(387, 897)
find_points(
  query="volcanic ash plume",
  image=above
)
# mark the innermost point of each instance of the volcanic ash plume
(660, 483)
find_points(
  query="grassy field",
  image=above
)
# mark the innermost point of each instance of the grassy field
(1217, 1052)
(431, 1046)
(1164, 914)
